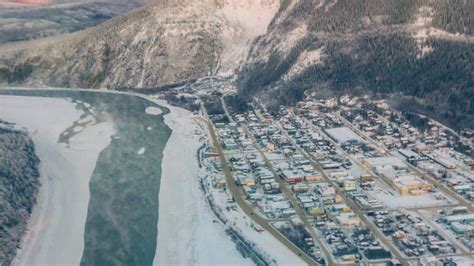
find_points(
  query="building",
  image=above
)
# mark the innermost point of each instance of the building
(349, 185)
(313, 177)
(326, 190)
(348, 219)
(461, 229)
(410, 184)
(343, 135)
(229, 144)
(367, 203)
(292, 176)
(460, 218)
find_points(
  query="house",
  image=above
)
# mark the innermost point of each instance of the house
(246, 180)
(325, 190)
(348, 219)
(313, 177)
(349, 185)
(292, 176)
(300, 187)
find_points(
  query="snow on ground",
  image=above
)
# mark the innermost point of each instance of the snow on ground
(244, 20)
(56, 228)
(422, 30)
(264, 240)
(87, 119)
(78, 129)
(409, 201)
(253, 16)
(187, 234)
(330, 5)
(295, 35)
(430, 217)
(153, 110)
(305, 60)
(141, 151)
(463, 261)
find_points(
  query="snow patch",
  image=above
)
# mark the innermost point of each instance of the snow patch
(292, 38)
(141, 151)
(305, 60)
(78, 129)
(422, 30)
(153, 110)
(243, 21)
(252, 16)
(330, 5)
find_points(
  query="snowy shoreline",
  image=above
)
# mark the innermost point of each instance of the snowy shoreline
(59, 216)
(187, 233)
(188, 230)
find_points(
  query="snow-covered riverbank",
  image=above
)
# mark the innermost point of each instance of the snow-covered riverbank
(187, 233)
(56, 228)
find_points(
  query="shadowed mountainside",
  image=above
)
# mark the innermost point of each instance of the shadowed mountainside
(421, 50)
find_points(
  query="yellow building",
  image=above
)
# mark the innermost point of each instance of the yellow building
(314, 178)
(413, 185)
(248, 183)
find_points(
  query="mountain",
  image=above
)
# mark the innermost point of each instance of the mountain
(420, 53)
(160, 44)
(417, 53)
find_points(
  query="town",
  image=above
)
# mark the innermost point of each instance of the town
(339, 181)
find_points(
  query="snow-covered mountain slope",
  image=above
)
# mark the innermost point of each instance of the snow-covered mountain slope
(159, 44)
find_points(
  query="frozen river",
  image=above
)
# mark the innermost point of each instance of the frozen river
(101, 175)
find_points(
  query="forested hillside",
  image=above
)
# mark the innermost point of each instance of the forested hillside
(18, 188)
(421, 49)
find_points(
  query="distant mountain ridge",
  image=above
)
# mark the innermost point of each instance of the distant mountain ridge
(50, 2)
(22, 22)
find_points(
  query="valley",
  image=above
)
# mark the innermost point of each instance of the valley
(266, 132)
